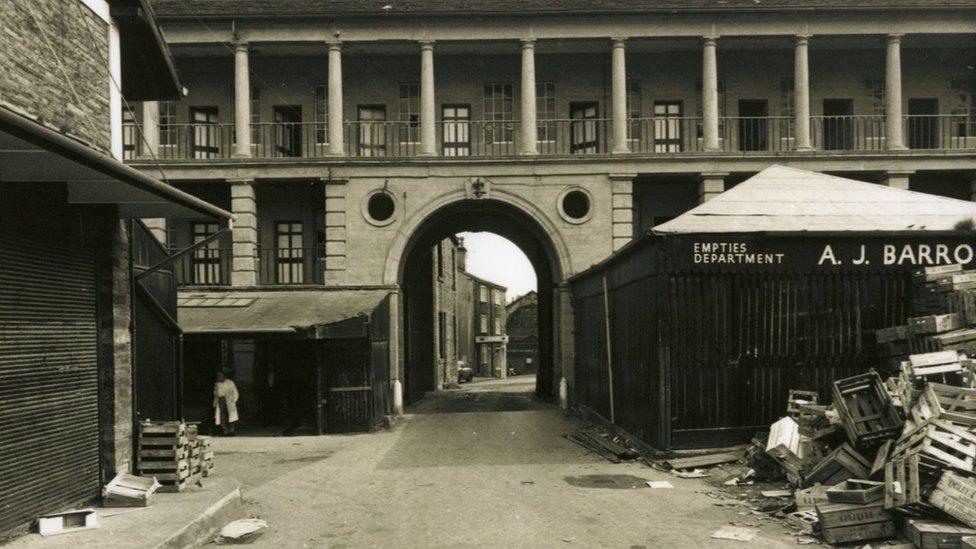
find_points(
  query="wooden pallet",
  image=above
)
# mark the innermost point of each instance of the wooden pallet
(865, 409)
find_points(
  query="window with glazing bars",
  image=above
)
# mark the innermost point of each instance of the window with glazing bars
(964, 108)
(289, 252)
(409, 113)
(321, 116)
(545, 107)
(787, 107)
(168, 132)
(874, 89)
(633, 110)
(206, 258)
(499, 109)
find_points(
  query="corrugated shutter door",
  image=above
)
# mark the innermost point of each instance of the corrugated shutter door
(48, 375)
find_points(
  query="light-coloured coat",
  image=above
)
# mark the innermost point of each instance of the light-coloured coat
(228, 390)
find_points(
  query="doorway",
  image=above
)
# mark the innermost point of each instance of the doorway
(287, 130)
(457, 130)
(923, 123)
(584, 127)
(205, 136)
(753, 120)
(668, 136)
(838, 124)
(372, 130)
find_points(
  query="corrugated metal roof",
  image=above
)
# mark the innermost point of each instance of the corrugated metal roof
(340, 8)
(782, 199)
(271, 312)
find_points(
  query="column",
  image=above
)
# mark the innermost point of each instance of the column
(428, 104)
(893, 131)
(528, 128)
(710, 95)
(148, 143)
(801, 94)
(619, 87)
(335, 232)
(622, 186)
(243, 203)
(336, 145)
(898, 179)
(710, 185)
(242, 101)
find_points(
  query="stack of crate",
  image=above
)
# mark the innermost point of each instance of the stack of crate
(893, 345)
(195, 452)
(206, 456)
(164, 453)
(928, 288)
(947, 367)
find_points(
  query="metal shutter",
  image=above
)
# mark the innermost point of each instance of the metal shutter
(49, 431)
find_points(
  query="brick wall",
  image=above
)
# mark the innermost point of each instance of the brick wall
(53, 66)
(445, 302)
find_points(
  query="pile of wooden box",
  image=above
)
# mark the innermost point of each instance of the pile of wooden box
(174, 453)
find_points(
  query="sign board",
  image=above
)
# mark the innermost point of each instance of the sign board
(491, 339)
(818, 252)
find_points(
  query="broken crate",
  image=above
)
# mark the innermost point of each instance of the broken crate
(865, 409)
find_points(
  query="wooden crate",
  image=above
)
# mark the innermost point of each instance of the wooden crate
(932, 534)
(856, 491)
(783, 443)
(804, 520)
(940, 401)
(956, 495)
(847, 523)
(949, 444)
(892, 334)
(962, 302)
(809, 498)
(938, 367)
(907, 484)
(880, 459)
(865, 409)
(797, 398)
(841, 464)
(935, 273)
(934, 324)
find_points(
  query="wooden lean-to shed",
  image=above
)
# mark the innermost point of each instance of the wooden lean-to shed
(692, 335)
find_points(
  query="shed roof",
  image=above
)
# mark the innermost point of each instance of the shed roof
(783, 199)
(271, 312)
(358, 8)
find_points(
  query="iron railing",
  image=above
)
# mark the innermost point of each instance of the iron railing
(291, 266)
(204, 267)
(665, 135)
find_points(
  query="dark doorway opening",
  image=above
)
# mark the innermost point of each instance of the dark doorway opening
(838, 124)
(753, 120)
(585, 129)
(288, 130)
(923, 123)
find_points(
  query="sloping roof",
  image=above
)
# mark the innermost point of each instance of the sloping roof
(483, 281)
(271, 312)
(340, 8)
(782, 199)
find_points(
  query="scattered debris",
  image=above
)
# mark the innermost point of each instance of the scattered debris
(703, 461)
(603, 444)
(777, 493)
(241, 531)
(67, 522)
(696, 473)
(659, 484)
(735, 533)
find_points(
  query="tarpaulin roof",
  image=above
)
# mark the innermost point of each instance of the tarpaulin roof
(782, 199)
(272, 312)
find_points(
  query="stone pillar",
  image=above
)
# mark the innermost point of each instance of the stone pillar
(622, 186)
(428, 104)
(710, 95)
(897, 180)
(528, 128)
(893, 126)
(801, 94)
(243, 204)
(396, 387)
(335, 232)
(148, 143)
(242, 101)
(710, 186)
(335, 117)
(619, 89)
(565, 345)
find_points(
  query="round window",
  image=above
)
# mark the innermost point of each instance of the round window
(575, 205)
(380, 208)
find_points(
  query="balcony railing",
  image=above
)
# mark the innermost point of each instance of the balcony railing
(291, 266)
(666, 135)
(204, 267)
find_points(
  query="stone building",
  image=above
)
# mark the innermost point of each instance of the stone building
(488, 341)
(355, 137)
(522, 327)
(82, 281)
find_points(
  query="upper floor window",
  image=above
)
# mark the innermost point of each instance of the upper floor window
(633, 110)
(874, 89)
(321, 115)
(483, 294)
(168, 133)
(498, 297)
(787, 106)
(206, 258)
(483, 324)
(498, 327)
(410, 113)
(289, 252)
(545, 100)
(964, 106)
(130, 133)
(700, 111)
(499, 103)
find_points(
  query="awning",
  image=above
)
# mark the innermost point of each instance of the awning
(33, 153)
(272, 312)
(782, 199)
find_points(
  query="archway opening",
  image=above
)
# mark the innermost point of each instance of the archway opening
(418, 274)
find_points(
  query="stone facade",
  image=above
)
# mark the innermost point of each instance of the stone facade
(488, 321)
(445, 313)
(54, 66)
(522, 327)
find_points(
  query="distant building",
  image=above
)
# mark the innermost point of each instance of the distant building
(488, 342)
(446, 334)
(522, 327)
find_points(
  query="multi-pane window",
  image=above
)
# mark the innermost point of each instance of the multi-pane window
(483, 324)
(499, 108)
(874, 89)
(787, 106)
(206, 258)
(483, 294)
(498, 297)
(964, 107)
(633, 110)
(498, 326)
(700, 112)
(545, 111)
(289, 252)
(130, 133)
(410, 113)
(321, 115)
(168, 135)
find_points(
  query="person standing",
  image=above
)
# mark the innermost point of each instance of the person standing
(225, 404)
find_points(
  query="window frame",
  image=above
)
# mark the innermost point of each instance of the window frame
(498, 107)
(321, 114)
(408, 114)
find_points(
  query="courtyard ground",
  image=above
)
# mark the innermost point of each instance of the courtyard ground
(483, 466)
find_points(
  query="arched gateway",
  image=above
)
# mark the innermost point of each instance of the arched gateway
(506, 215)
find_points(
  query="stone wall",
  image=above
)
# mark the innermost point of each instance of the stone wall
(54, 66)
(445, 303)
